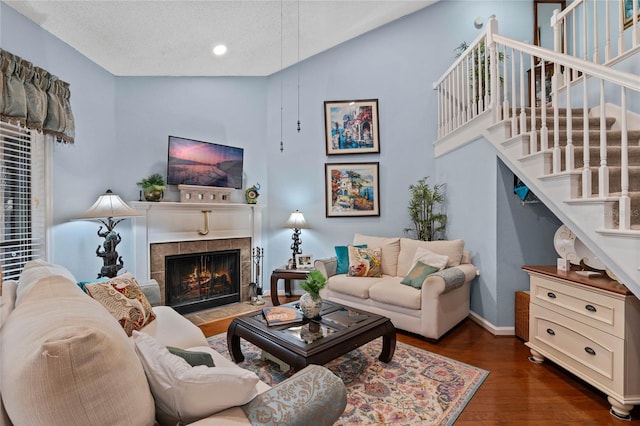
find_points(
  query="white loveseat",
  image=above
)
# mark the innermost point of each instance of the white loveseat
(65, 360)
(430, 311)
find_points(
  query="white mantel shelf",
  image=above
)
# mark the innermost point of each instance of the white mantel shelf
(168, 221)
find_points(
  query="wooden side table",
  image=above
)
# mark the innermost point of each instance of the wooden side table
(287, 275)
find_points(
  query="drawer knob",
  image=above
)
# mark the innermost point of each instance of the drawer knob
(589, 351)
(590, 308)
(551, 295)
(551, 332)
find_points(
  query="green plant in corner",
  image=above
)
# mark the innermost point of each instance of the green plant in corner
(425, 205)
(153, 187)
(314, 283)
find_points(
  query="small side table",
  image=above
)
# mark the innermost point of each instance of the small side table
(287, 275)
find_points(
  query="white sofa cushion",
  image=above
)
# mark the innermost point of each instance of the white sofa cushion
(34, 271)
(66, 361)
(390, 249)
(353, 286)
(392, 292)
(426, 256)
(183, 393)
(452, 248)
(7, 300)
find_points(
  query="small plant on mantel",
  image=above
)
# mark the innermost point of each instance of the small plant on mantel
(153, 187)
(425, 206)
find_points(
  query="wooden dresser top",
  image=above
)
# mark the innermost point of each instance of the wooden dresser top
(599, 281)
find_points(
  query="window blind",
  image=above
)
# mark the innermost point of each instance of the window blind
(22, 194)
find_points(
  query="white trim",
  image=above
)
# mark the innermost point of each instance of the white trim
(496, 331)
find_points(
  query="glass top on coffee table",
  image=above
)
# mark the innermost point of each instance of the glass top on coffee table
(339, 330)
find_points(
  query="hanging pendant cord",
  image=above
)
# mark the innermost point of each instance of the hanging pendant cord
(298, 66)
(281, 64)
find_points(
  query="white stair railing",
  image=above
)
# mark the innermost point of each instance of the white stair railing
(476, 80)
(599, 31)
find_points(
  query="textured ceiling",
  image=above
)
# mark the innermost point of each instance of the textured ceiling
(175, 38)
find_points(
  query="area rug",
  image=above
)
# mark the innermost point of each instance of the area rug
(416, 388)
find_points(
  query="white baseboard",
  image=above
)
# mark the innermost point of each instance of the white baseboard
(496, 331)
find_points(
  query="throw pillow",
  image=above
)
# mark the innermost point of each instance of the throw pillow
(184, 394)
(342, 254)
(365, 262)
(124, 299)
(430, 258)
(418, 274)
(193, 358)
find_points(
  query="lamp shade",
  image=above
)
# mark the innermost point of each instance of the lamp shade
(296, 221)
(109, 205)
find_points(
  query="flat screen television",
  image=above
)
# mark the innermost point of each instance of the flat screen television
(200, 163)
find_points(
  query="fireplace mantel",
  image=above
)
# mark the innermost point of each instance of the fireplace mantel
(175, 221)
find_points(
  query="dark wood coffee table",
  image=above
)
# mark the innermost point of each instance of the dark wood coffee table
(341, 329)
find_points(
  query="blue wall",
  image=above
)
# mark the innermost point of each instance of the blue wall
(123, 123)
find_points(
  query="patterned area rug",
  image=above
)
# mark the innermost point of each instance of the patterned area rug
(416, 388)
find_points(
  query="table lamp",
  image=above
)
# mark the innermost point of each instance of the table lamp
(106, 210)
(296, 222)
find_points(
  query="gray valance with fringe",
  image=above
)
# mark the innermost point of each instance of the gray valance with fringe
(34, 98)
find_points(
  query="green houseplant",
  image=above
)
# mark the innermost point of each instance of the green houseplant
(153, 187)
(425, 210)
(311, 302)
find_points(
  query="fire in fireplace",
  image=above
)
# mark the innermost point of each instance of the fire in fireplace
(199, 281)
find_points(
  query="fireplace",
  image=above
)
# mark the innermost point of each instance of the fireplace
(202, 280)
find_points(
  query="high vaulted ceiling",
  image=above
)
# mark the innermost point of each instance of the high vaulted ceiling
(176, 37)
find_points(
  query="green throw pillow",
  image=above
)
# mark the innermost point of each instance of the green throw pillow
(192, 357)
(342, 253)
(417, 275)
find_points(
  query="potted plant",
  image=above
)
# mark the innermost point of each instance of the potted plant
(153, 187)
(311, 302)
(425, 206)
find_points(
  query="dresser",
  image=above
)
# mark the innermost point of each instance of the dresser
(590, 327)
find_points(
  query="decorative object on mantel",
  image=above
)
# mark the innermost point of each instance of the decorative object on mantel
(296, 222)
(152, 187)
(204, 194)
(105, 209)
(252, 194)
(34, 98)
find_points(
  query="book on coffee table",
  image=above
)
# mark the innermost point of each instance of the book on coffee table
(278, 315)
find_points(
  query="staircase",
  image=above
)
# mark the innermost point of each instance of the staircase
(576, 146)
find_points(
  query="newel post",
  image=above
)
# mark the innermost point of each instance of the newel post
(494, 77)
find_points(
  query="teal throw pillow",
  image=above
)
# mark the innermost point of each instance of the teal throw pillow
(82, 284)
(193, 358)
(342, 253)
(417, 275)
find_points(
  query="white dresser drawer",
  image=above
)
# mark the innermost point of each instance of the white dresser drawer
(589, 353)
(599, 309)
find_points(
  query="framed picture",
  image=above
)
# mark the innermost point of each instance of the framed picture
(351, 127)
(352, 189)
(304, 261)
(627, 12)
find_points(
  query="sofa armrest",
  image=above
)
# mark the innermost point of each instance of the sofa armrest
(448, 279)
(327, 267)
(313, 396)
(151, 290)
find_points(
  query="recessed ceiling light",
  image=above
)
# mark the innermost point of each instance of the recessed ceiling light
(219, 50)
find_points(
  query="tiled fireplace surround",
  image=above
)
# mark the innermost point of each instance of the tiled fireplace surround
(171, 228)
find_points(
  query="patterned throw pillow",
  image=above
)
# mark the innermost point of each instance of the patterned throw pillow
(365, 262)
(418, 274)
(342, 254)
(124, 299)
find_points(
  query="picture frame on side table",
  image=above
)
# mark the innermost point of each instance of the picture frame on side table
(351, 127)
(304, 261)
(352, 189)
(627, 12)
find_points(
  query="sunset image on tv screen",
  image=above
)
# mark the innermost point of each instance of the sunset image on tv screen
(205, 164)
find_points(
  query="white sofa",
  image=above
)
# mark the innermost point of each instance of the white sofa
(431, 311)
(65, 360)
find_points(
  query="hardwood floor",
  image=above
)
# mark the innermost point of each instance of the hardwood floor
(516, 392)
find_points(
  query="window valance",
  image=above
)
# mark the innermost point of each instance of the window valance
(34, 98)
